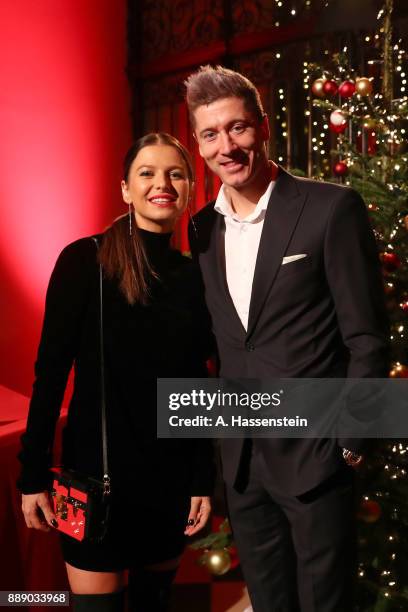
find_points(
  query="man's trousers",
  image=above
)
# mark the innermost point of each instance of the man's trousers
(297, 553)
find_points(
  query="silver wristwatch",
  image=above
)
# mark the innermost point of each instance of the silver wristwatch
(351, 458)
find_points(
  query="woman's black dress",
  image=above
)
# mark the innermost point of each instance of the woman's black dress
(152, 480)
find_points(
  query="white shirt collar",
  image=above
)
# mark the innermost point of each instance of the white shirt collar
(223, 206)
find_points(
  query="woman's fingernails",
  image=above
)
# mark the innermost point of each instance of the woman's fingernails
(190, 522)
(54, 523)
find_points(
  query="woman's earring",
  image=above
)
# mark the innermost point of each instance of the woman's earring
(192, 221)
(130, 219)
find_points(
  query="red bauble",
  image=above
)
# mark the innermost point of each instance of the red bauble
(337, 117)
(330, 88)
(347, 89)
(338, 122)
(338, 129)
(404, 306)
(340, 169)
(390, 261)
(370, 511)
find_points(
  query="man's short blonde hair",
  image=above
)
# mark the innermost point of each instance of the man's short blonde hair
(209, 84)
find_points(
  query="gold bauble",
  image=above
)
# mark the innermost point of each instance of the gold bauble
(406, 222)
(317, 88)
(364, 86)
(369, 122)
(217, 561)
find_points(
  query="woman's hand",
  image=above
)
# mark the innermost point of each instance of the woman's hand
(37, 511)
(200, 510)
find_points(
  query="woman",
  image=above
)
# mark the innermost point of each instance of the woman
(155, 325)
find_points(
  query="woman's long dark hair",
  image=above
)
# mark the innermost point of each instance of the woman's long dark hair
(123, 255)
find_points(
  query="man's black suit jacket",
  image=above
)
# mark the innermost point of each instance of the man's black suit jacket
(320, 316)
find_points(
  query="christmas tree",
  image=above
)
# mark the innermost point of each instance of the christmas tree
(368, 128)
(364, 124)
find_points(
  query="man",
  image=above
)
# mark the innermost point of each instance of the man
(294, 289)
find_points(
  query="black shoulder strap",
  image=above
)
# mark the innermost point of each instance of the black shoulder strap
(106, 477)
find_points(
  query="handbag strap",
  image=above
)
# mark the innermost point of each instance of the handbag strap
(106, 477)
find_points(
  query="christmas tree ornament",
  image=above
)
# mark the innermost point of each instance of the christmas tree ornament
(330, 87)
(369, 511)
(364, 86)
(404, 306)
(338, 122)
(337, 117)
(369, 122)
(317, 88)
(340, 168)
(399, 370)
(338, 129)
(217, 561)
(390, 261)
(347, 89)
(406, 221)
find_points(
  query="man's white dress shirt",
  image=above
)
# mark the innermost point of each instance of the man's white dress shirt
(242, 237)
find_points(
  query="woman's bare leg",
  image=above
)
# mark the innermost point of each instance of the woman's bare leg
(84, 582)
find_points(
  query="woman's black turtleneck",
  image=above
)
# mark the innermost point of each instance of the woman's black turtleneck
(157, 246)
(168, 337)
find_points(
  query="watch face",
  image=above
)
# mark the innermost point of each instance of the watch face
(351, 458)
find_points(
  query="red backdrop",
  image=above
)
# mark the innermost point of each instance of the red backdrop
(64, 124)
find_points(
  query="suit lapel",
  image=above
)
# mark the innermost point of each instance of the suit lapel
(284, 207)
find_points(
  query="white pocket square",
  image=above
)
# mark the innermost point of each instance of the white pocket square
(291, 258)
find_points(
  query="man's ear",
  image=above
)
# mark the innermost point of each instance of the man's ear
(125, 192)
(265, 128)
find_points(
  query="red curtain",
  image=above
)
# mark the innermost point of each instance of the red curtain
(65, 126)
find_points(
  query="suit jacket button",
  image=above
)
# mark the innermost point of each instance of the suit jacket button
(249, 346)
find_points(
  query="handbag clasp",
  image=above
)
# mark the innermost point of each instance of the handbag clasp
(106, 484)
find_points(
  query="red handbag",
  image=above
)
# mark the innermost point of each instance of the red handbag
(81, 503)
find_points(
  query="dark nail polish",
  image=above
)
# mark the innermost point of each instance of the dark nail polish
(190, 522)
(54, 523)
